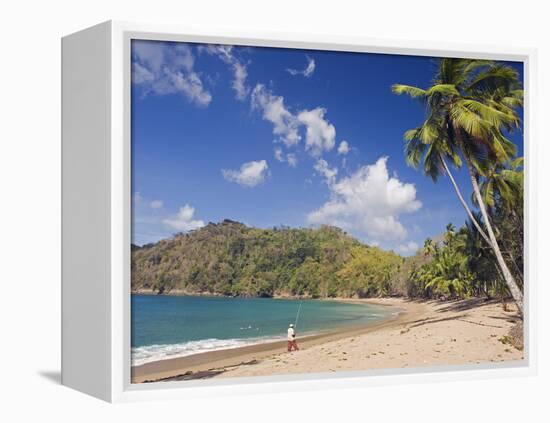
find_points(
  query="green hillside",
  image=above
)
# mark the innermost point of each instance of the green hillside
(230, 258)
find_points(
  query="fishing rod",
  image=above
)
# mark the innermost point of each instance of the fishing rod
(298, 314)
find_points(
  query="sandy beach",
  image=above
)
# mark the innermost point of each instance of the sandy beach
(423, 334)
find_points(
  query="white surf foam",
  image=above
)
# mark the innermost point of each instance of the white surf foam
(150, 353)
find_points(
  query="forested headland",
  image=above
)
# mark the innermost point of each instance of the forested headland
(230, 258)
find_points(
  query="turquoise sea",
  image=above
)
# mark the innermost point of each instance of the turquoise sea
(175, 326)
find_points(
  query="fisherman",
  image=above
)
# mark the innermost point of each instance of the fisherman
(291, 337)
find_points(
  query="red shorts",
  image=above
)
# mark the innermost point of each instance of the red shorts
(292, 345)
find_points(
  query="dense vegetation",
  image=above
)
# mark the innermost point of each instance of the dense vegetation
(462, 265)
(230, 258)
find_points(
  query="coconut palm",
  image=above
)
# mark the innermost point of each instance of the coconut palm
(503, 184)
(429, 146)
(430, 248)
(502, 190)
(446, 275)
(470, 106)
(480, 257)
(450, 275)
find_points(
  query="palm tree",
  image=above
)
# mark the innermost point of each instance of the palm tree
(480, 257)
(450, 234)
(429, 145)
(469, 107)
(502, 190)
(430, 248)
(446, 275)
(450, 275)
(503, 184)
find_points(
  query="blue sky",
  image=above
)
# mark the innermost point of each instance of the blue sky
(273, 137)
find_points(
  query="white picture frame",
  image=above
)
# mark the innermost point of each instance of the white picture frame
(96, 226)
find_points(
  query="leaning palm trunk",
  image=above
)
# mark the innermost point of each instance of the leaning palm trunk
(463, 202)
(508, 277)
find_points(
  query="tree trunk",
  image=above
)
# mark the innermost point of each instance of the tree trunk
(508, 277)
(464, 204)
(513, 261)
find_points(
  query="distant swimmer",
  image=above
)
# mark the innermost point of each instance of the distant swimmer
(291, 337)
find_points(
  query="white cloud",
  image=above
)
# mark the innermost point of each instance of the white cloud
(141, 75)
(285, 124)
(239, 83)
(328, 173)
(408, 248)
(150, 53)
(239, 69)
(291, 159)
(370, 202)
(250, 174)
(164, 69)
(184, 221)
(307, 72)
(310, 67)
(320, 134)
(156, 204)
(278, 153)
(191, 86)
(343, 148)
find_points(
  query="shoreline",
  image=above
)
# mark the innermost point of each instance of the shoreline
(202, 365)
(183, 293)
(461, 332)
(426, 333)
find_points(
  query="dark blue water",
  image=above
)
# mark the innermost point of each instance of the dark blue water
(172, 326)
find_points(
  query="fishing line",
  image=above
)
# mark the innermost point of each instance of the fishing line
(298, 315)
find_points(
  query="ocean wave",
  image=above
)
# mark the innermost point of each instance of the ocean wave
(150, 353)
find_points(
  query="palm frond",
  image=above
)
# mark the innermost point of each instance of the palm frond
(492, 78)
(432, 162)
(504, 148)
(451, 71)
(490, 114)
(474, 65)
(470, 122)
(513, 100)
(411, 91)
(443, 89)
(414, 150)
(517, 163)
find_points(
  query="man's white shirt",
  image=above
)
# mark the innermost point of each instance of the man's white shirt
(290, 335)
